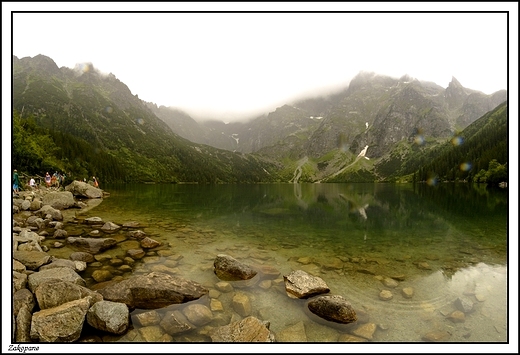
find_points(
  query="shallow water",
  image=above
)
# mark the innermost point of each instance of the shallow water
(444, 242)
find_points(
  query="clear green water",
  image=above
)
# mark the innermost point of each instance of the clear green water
(444, 242)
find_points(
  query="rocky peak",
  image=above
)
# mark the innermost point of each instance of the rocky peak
(455, 94)
(40, 63)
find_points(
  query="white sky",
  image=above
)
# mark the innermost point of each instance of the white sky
(227, 65)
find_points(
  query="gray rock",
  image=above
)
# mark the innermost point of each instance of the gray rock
(31, 259)
(60, 234)
(94, 220)
(198, 314)
(248, 330)
(242, 304)
(59, 263)
(82, 189)
(389, 282)
(34, 221)
(23, 297)
(147, 318)
(136, 253)
(175, 322)
(23, 325)
(153, 290)
(137, 234)
(92, 245)
(102, 275)
(464, 304)
(18, 266)
(81, 256)
(228, 268)
(54, 213)
(53, 293)
(28, 236)
(293, 334)
(333, 308)
(300, 284)
(25, 205)
(36, 205)
(30, 246)
(19, 281)
(60, 324)
(59, 200)
(110, 227)
(149, 243)
(60, 273)
(112, 317)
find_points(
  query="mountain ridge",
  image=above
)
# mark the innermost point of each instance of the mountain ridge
(390, 119)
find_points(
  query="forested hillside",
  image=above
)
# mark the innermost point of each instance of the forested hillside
(87, 124)
(479, 153)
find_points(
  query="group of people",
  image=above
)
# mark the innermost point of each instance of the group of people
(56, 180)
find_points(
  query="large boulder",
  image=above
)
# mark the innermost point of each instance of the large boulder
(60, 273)
(92, 245)
(174, 322)
(82, 189)
(23, 297)
(31, 259)
(60, 324)
(27, 236)
(52, 293)
(59, 200)
(153, 290)
(57, 262)
(228, 268)
(248, 330)
(49, 210)
(23, 325)
(111, 317)
(333, 308)
(300, 284)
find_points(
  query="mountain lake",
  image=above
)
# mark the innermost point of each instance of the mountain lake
(407, 257)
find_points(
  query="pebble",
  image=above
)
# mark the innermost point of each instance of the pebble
(436, 335)
(389, 282)
(407, 292)
(365, 331)
(386, 295)
(457, 317)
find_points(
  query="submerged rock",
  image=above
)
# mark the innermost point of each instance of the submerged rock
(228, 268)
(112, 317)
(333, 308)
(248, 330)
(153, 290)
(92, 245)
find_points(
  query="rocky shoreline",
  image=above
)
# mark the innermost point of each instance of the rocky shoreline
(53, 302)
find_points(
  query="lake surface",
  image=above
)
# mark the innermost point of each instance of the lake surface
(446, 244)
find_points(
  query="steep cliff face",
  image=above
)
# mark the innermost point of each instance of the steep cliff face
(407, 115)
(374, 110)
(352, 114)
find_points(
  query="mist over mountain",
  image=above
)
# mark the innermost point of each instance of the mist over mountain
(394, 109)
(374, 129)
(86, 123)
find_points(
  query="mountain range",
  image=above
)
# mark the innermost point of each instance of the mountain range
(376, 129)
